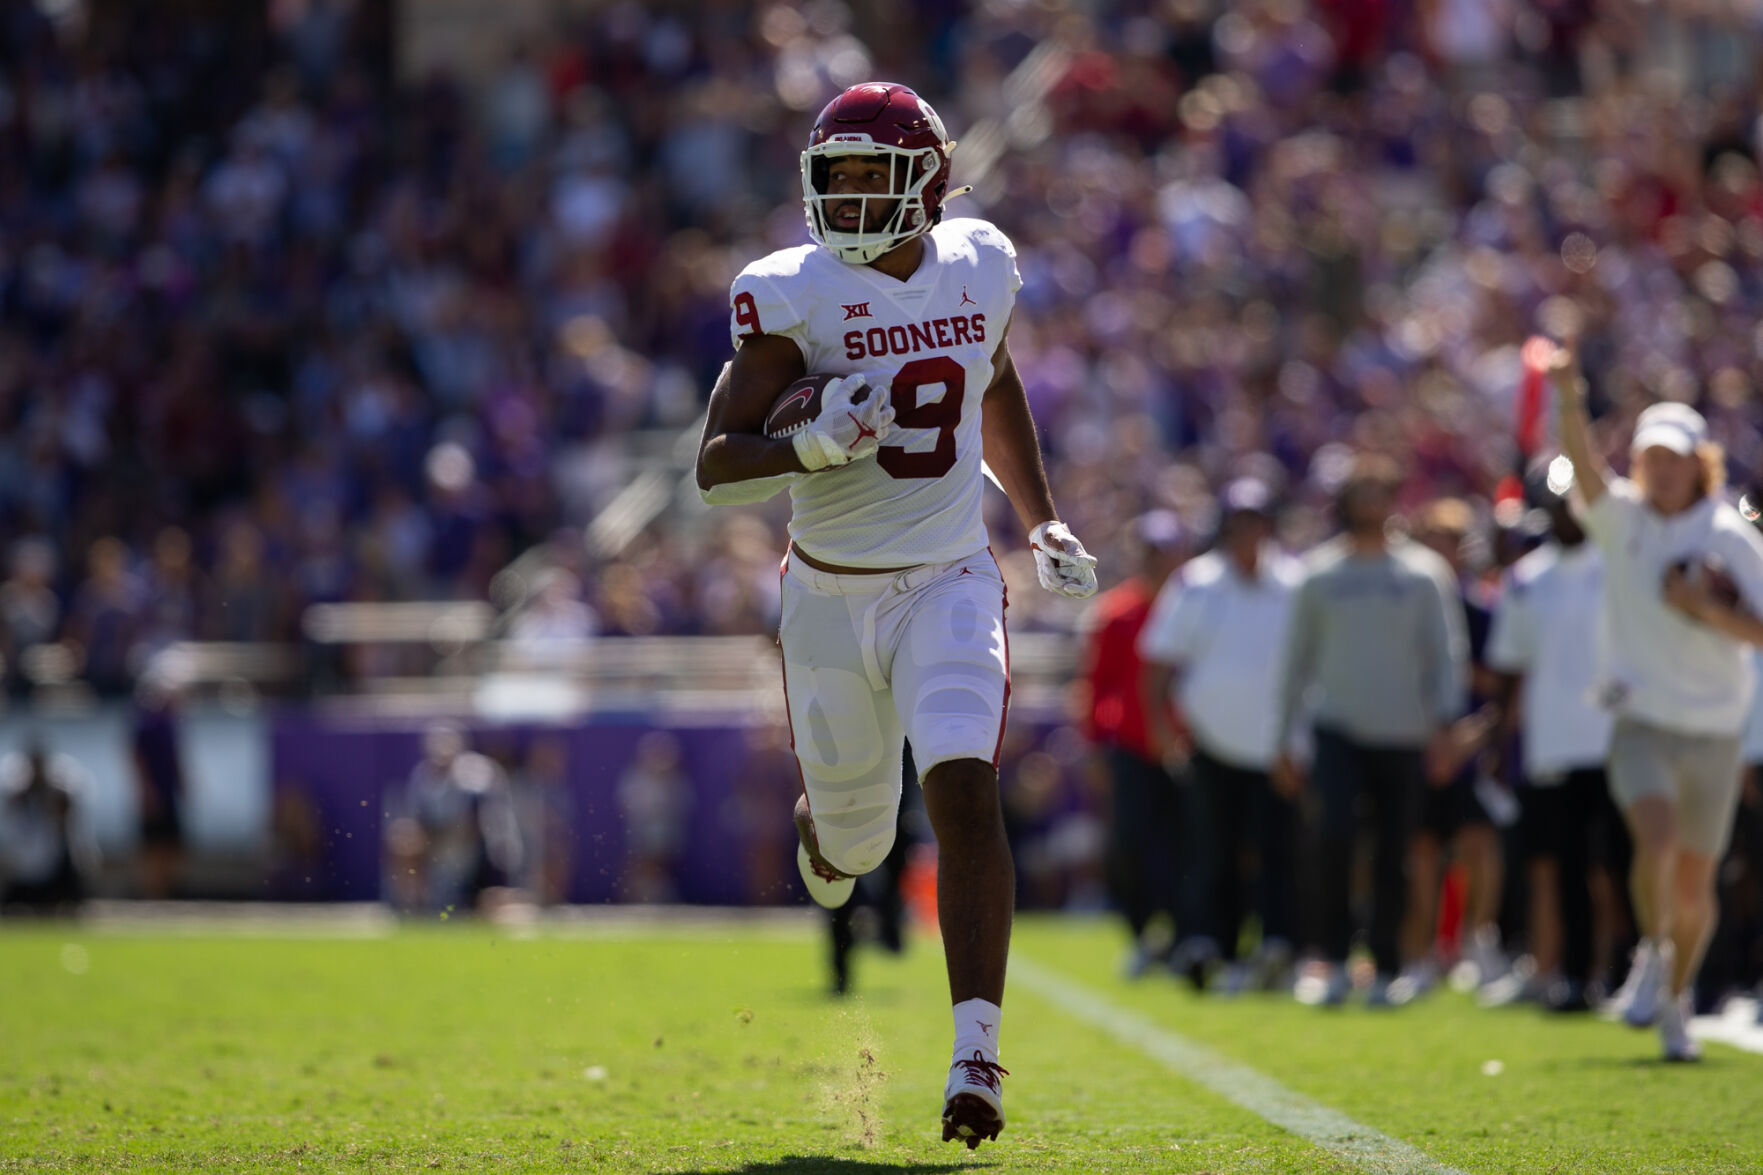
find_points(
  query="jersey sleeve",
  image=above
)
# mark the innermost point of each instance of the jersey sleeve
(1012, 275)
(758, 306)
(990, 243)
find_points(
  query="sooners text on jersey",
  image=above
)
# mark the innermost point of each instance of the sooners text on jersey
(928, 341)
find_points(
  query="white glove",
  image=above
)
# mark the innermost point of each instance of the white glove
(1061, 561)
(846, 429)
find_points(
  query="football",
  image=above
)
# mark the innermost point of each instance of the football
(799, 403)
(1712, 574)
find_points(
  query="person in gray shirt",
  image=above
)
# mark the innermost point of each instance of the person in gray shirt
(1378, 660)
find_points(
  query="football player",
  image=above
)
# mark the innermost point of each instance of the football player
(893, 606)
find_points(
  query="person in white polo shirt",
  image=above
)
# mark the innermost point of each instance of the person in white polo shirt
(1683, 590)
(1544, 644)
(1214, 642)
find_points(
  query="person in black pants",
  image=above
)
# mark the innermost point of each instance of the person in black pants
(1544, 650)
(1152, 872)
(1213, 642)
(1454, 825)
(1254, 831)
(1391, 780)
(1560, 825)
(1378, 655)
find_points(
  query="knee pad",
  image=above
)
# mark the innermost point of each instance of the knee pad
(834, 724)
(857, 839)
(956, 719)
(850, 765)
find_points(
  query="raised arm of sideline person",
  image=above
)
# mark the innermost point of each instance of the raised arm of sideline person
(1591, 476)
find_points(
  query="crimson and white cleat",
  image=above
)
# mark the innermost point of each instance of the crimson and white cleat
(826, 885)
(973, 1101)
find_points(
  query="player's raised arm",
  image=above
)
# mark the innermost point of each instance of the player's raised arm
(1013, 451)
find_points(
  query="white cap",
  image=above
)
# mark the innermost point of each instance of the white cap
(1669, 425)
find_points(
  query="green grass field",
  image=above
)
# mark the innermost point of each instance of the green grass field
(713, 1048)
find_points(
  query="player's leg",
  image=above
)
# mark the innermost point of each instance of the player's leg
(975, 876)
(846, 737)
(976, 885)
(949, 674)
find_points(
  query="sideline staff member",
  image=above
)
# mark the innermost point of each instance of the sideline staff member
(1677, 675)
(1377, 642)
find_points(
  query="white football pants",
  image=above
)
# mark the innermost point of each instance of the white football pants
(872, 659)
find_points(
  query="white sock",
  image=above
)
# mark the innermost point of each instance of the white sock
(976, 1027)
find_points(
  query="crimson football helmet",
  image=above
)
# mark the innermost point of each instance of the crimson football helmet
(890, 121)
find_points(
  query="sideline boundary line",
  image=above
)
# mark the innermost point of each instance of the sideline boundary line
(1261, 1095)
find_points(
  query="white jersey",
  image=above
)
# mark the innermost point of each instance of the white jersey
(1549, 628)
(1227, 635)
(928, 340)
(1659, 666)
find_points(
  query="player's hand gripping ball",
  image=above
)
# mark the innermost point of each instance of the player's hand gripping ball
(1061, 562)
(796, 406)
(831, 420)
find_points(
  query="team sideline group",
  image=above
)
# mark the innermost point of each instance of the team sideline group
(1579, 700)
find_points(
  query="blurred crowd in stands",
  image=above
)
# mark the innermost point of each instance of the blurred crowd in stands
(277, 328)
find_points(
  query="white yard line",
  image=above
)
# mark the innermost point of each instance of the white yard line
(1737, 1025)
(1261, 1095)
